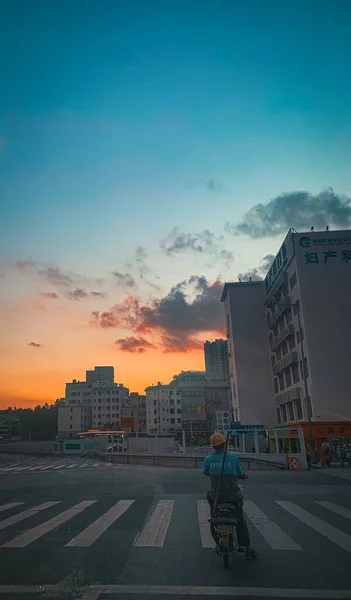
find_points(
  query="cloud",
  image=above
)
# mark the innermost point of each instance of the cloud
(190, 308)
(214, 186)
(50, 295)
(34, 345)
(299, 210)
(133, 345)
(124, 279)
(98, 294)
(204, 242)
(257, 273)
(77, 294)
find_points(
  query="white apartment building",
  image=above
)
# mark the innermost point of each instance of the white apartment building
(96, 402)
(108, 401)
(158, 406)
(302, 309)
(249, 362)
(217, 360)
(308, 299)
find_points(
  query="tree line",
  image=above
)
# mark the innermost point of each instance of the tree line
(39, 423)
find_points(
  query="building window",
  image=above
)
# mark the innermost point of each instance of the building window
(295, 373)
(298, 407)
(171, 411)
(70, 426)
(276, 386)
(292, 342)
(71, 409)
(71, 418)
(296, 307)
(172, 421)
(293, 280)
(306, 367)
(284, 415)
(288, 378)
(291, 411)
(278, 415)
(281, 382)
(273, 359)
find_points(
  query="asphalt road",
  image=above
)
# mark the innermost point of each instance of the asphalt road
(132, 532)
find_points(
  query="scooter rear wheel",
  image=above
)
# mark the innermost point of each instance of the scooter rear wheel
(226, 561)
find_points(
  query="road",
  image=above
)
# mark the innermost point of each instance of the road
(117, 532)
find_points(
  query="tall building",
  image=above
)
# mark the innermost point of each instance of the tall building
(158, 416)
(304, 307)
(101, 375)
(197, 400)
(136, 409)
(217, 360)
(96, 402)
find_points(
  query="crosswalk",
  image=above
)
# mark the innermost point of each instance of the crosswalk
(56, 465)
(154, 523)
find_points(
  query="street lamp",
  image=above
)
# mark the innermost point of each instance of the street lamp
(307, 399)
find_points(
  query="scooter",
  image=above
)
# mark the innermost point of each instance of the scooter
(223, 528)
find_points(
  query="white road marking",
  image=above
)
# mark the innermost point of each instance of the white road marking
(89, 535)
(155, 530)
(21, 468)
(203, 514)
(60, 466)
(47, 467)
(339, 510)
(340, 473)
(82, 466)
(71, 466)
(31, 535)
(341, 539)
(37, 467)
(96, 464)
(26, 514)
(272, 533)
(10, 505)
(195, 590)
(108, 464)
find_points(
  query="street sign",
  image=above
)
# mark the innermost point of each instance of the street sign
(223, 420)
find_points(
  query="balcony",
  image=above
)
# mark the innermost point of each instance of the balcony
(284, 362)
(279, 339)
(288, 396)
(281, 283)
(278, 311)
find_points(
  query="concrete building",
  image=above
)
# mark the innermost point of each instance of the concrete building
(295, 323)
(198, 400)
(101, 375)
(308, 299)
(96, 402)
(158, 416)
(217, 360)
(108, 401)
(136, 409)
(249, 361)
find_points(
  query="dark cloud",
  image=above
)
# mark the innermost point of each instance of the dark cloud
(133, 345)
(258, 273)
(50, 295)
(299, 210)
(191, 307)
(174, 344)
(55, 276)
(204, 242)
(98, 294)
(34, 345)
(124, 279)
(77, 294)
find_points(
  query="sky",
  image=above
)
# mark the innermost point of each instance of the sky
(150, 151)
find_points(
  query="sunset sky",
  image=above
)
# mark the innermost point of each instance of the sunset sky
(149, 151)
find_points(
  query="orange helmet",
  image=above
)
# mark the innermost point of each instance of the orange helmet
(217, 439)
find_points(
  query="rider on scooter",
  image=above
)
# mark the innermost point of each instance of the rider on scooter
(230, 491)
